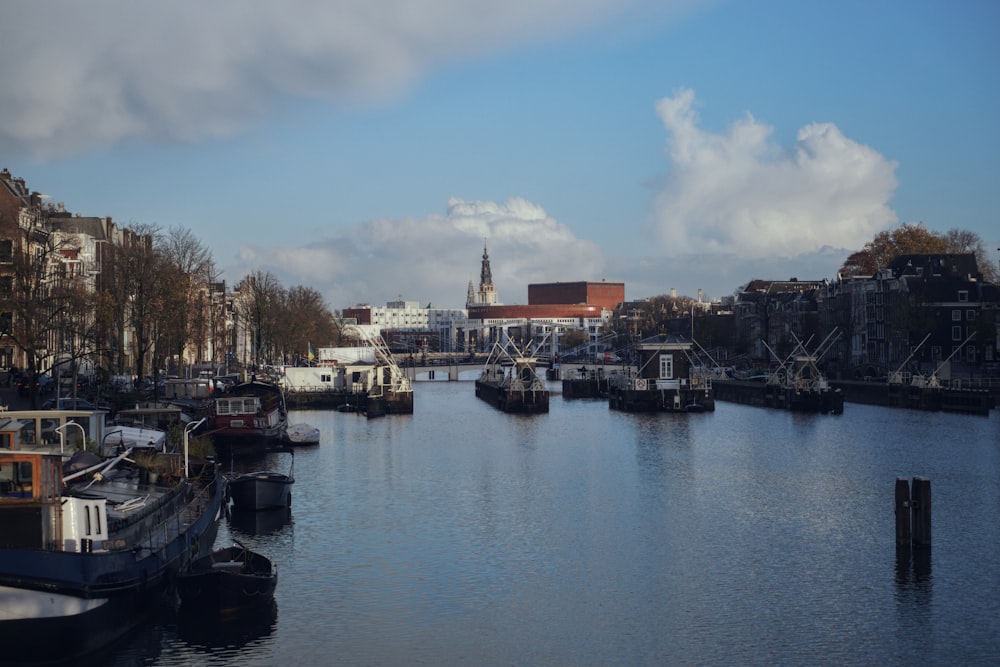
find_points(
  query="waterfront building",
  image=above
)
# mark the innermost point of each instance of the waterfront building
(932, 313)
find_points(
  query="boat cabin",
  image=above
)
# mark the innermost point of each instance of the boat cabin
(50, 429)
(664, 362)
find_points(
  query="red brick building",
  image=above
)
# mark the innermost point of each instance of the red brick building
(607, 295)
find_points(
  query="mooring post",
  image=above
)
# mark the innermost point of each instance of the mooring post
(920, 502)
(902, 512)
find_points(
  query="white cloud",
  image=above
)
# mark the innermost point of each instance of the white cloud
(82, 75)
(433, 259)
(740, 193)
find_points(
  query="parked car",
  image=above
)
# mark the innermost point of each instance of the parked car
(44, 382)
(68, 403)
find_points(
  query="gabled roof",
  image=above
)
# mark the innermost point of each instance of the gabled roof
(757, 286)
(962, 265)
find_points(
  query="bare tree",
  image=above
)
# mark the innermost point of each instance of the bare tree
(964, 241)
(259, 296)
(190, 262)
(305, 320)
(36, 297)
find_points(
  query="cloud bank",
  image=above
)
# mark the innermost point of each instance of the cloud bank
(85, 75)
(739, 193)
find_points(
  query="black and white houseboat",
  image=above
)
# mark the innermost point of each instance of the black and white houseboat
(666, 378)
(84, 554)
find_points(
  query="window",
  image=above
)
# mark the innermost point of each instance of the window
(956, 333)
(963, 295)
(970, 314)
(6, 287)
(956, 316)
(970, 353)
(666, 366)
(6, 250)
(6, 323)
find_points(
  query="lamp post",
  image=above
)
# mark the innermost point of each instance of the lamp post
(62, 435)
(187, 429)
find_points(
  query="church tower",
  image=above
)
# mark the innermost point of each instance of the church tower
(486, 296)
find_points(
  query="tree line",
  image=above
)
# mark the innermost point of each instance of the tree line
(154, 301)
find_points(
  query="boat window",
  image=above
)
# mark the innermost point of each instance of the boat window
(86, 517)
(666, 366)
(16, 479)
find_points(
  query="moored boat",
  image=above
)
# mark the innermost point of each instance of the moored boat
(302, 434)
(251, 414)
(228, 579)
(84, 555)
(262, 490)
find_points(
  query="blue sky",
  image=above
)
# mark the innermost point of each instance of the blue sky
(369, 150)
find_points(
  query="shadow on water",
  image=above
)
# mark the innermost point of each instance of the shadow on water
(913, 574)
(229, 630)
(259, 522)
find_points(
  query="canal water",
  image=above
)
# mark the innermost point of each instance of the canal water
(460, 535)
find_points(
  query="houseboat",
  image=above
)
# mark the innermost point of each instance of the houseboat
(509, 382)
(666, 378)
(250, 415)
(89, 545)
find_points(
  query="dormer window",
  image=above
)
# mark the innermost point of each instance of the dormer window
(963, 295)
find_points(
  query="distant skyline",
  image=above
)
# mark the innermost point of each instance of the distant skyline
(369, 150)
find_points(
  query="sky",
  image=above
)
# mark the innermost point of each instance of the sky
(371, 150)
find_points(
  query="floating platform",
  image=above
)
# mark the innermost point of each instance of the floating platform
(585, 383)
(821, 400)
(941, 398)
(509, 382)
(643, 395)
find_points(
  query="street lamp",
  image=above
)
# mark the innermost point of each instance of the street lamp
(187, 429)
(62, 435)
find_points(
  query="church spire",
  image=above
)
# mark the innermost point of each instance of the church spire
(486, 295)
(485, 274)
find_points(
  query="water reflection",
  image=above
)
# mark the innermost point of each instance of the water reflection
(214, 630)
(913, 574)
(261, 522)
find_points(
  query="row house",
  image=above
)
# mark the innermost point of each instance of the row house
(772, 317)
(924, 313)
(46, 250)
(49, 260)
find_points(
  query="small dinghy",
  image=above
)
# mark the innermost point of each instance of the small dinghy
(228, 579)
(302, 434)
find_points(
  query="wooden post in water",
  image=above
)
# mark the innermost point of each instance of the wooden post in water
(902, 512)
(920, 502)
